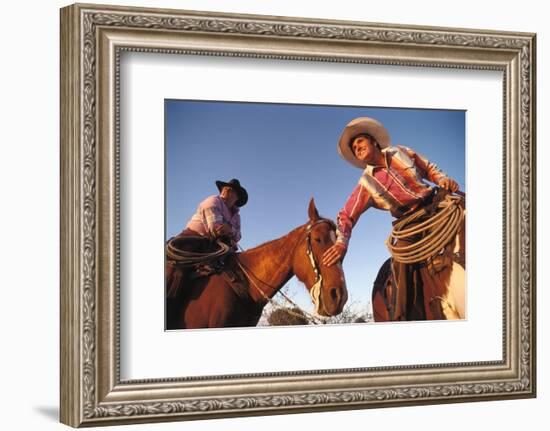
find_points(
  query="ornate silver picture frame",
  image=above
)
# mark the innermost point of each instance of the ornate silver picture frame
(93, 39)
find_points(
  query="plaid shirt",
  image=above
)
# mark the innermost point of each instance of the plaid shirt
(397, 188)
(213, 212)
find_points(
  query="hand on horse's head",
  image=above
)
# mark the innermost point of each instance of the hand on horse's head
(334, 254)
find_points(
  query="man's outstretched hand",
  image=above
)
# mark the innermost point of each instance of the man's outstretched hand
(334, 254)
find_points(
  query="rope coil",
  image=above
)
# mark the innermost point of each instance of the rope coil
(189, 258)
(436, 231)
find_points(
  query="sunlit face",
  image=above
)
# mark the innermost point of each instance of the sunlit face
(363, 148)
(229, 195)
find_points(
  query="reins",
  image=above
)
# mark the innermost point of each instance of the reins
(317, 284)
(308, 316)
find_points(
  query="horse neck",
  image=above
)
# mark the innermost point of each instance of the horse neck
(269, 266)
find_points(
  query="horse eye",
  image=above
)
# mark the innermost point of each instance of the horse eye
(317, 240)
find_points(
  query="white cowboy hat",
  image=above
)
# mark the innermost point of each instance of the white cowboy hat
(360, 126)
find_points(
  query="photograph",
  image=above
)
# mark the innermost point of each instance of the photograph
(293, 214)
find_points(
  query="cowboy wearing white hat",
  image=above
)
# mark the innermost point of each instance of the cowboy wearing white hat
(393, 179)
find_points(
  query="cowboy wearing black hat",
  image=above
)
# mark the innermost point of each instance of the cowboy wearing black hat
(217, 218)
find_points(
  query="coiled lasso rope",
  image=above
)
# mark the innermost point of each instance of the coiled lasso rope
(436, 231)
(188, 258)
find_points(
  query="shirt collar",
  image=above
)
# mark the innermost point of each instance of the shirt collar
(370, 168)
(232, 212)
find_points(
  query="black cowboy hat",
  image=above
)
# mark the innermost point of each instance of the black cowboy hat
(235, 185)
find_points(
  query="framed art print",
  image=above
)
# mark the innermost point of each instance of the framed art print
(272, 215)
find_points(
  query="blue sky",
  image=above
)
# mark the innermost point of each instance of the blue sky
(284, 155)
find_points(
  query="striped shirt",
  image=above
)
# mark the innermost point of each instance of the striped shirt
(397, 187)
(212, 213)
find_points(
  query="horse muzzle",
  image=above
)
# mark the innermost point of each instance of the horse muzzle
(332, 302)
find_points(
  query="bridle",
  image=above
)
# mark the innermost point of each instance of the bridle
(316, 289)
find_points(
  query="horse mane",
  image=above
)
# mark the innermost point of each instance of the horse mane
(269, 246)
(283, 239)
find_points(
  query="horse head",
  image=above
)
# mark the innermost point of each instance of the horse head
(326, 285)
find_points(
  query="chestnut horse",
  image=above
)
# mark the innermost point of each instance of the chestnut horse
(237, 298)
(446, 303)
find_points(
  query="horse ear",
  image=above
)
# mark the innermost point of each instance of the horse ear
(312, 211)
